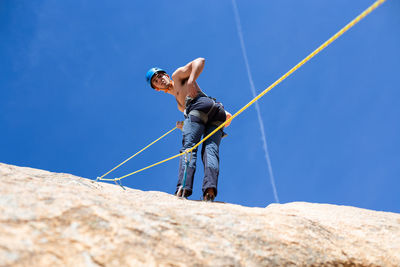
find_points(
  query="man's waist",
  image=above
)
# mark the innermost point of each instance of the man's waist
(189, 100)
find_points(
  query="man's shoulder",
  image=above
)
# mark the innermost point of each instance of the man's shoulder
(179, 80)
(177, 73)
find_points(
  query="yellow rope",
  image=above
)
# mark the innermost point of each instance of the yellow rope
(301, 63)
(137, 153)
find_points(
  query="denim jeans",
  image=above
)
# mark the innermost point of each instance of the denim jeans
(192, 133)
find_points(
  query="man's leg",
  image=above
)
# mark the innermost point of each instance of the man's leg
(210, 156)
(192, 132)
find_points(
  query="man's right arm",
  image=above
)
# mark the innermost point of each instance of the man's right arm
(180, 107)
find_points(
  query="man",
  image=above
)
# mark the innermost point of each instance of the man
(202, 116)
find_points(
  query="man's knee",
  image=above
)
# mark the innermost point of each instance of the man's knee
(211, 155)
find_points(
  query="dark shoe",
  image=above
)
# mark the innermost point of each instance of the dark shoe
(182, 193)
(209, 195)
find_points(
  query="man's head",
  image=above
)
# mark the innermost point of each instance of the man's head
(158, 79)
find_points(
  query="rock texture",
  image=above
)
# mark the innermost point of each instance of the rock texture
(53, 219)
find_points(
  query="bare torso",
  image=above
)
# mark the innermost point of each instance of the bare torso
(180, 91)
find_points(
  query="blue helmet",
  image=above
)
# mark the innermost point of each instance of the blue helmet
(150, 73)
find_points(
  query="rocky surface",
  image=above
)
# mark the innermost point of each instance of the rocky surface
(54, 219)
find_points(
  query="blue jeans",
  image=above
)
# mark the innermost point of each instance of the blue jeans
(192, 133)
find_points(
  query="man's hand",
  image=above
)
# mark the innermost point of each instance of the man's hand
(179, 124)
(228, 116)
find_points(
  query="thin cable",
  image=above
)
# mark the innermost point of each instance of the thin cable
(257, 107)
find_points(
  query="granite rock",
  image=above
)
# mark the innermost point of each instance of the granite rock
(57, 219)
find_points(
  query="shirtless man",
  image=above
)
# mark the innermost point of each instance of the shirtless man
(202, 116)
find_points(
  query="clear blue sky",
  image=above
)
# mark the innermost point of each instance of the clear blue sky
(73, 96)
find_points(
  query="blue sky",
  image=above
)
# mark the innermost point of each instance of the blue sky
(73, 96)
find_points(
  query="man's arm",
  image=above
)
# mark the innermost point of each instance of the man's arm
(180, 107)
(190, 72)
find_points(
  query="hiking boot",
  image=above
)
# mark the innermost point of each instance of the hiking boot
(209, 195)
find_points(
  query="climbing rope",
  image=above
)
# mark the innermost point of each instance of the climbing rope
(287, 74)
(137, 153)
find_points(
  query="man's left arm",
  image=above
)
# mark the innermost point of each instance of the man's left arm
(191, 72)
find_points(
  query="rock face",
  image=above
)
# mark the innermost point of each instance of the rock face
(53, 219)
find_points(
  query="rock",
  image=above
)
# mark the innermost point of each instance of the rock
(55, 219)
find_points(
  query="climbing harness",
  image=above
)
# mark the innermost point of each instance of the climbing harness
(287, 74)
(203, 116)
(182, 191)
